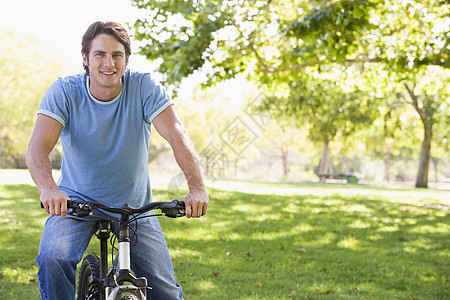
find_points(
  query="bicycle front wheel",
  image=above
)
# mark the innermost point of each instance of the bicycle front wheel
(89, 284)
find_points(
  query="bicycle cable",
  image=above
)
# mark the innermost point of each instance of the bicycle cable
(133, 218)
(133, 236)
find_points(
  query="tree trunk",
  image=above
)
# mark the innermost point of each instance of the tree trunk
(325, 167)
(284, 159)
(386, 161)
(424, 160)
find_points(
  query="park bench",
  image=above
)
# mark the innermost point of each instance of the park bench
(338, 178)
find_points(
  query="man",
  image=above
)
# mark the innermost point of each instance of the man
(103, 118)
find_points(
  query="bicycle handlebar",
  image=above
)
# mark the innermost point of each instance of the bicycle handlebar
(171, 209)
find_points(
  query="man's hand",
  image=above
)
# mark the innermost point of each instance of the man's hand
(55, 202)
(196, 203)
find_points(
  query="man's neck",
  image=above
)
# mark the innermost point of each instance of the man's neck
(104, 94)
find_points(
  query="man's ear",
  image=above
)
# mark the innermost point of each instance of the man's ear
(85, 59)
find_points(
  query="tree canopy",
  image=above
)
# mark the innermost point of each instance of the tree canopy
(224, 38)
(282, 44)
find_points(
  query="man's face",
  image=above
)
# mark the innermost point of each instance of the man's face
(106, 63)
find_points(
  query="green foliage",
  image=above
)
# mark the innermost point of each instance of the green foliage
(324, 103)
(404, 35)
(222, 38)
(409, 40)
(228, 37)
(332, 32)
(26, 73)
(274, 43)
(394, 136)
(299, 241)
(185, 38)
(433, 93)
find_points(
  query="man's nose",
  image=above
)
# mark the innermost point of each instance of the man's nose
(109, 61)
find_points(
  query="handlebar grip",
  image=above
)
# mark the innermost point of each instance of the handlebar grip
(70, 203)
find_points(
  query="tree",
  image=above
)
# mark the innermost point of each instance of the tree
(392, 133)
(431, 99)
(281, 141)
(405, 39)
(26, 73)
(332, 113)
(272, 42)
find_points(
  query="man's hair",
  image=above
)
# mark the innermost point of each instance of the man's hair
(111, 28)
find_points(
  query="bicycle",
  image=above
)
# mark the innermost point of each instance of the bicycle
(95, 280)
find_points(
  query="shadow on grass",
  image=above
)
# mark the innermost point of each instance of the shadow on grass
(309, 246)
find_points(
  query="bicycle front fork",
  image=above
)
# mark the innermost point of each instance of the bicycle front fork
(123, 281)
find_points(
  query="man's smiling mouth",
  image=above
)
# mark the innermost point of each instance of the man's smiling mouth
(107, 73)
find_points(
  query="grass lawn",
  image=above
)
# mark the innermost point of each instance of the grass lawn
(276, 241)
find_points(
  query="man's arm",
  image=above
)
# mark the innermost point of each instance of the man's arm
(45, 135)
(170, 128)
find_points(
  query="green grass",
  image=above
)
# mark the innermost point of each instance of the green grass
(277, 241)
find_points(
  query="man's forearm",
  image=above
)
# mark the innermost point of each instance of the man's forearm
(197, 199)
(187, 159)
(44, 137)
(40, 168)
(170, 128)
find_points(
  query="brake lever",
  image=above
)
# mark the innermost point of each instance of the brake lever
(79, 210)
(175, 211)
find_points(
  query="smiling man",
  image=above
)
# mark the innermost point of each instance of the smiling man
(103, 118)
(107, 58)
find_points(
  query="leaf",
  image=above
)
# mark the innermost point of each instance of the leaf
(357, 13)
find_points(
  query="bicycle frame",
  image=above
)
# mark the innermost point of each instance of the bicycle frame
(119, 279)
(114, 281)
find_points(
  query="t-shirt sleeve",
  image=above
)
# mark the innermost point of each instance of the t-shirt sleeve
(155, 97)
(54, 103)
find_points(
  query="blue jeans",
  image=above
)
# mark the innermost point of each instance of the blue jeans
(65, 239)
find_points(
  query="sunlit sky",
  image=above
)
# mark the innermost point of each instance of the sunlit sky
(60, 24)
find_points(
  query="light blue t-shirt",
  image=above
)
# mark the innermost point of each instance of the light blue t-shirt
(105, 144)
